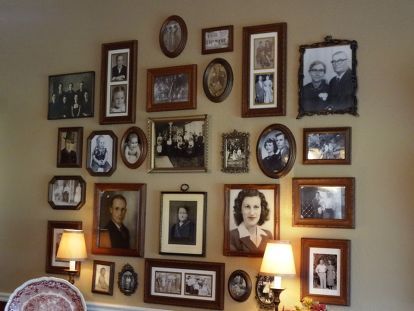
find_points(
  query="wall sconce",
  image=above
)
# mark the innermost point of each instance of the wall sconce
(72, 248)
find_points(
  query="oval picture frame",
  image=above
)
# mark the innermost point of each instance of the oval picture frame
(173, 36)
(127, 154)
(127, 280)
(218, 80)
(239, 285)
(279, 161)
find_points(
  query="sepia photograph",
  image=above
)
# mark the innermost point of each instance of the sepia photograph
(173, 36)
(218, 80)
(67, 192)
(103, 277)
(70, 144)
(101, 158)
(168, 282)
(264, 53)
(217, 39)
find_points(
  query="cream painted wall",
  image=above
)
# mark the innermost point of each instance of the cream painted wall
(41, 38)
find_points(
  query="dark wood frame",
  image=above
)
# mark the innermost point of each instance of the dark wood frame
(280, 72)
(79, 146)
(111, 266)
(142, 139)
(205, 31)
(246, 278)
(90, 152)
(327, 43)
(242, 136)
(345, 131)
(183, 249)
(67, 207)
(152, 74)
(345, 253)
(265, 300)
(51, 226)
(229, 81)
(127, 268)
(138, 249)
(228, 207)
(131, 82)
(292, 150)
(347, 222)
(218, 268)
(180, 47)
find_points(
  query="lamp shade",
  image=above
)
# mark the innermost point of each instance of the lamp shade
(278, 259)
(72, 246)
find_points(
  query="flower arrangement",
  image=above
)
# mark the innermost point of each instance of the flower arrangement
(309, 305)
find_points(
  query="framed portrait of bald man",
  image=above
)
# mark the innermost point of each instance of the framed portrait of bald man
(327, 78)
(119, 219)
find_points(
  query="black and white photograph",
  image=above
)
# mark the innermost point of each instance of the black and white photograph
(168, 282)
(171, 88)
(119, 66)
(127, 280)
(71, 95)
(326, 202)
(198, 284)
(327, 78)
(178, 144)
(173, 36)
(217, 39)
(235, 152)
(69, 147)
(67, 192)
(101, 158)
(264, 52)
(264, 89)
(239, 285)
(264, 295)
(103, 277)
(325, 271)
(251, 218)
(133, 147)
(218, 80)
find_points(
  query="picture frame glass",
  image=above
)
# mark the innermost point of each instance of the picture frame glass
(117, 100)
(325, 202)
(101, 158)
(216, 39)
(171, 35)
(171, 88)
(326, 264)
(103, 277)
(239, 285)
(133, 147)
(235, 152)
(326, 146)
(67, 192)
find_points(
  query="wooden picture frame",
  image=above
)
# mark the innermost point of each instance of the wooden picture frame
(327, 78)
(118, 82)
(69, 147)
(54, 234)
(133, 147)
(324, 202)
(119, 204)
(71, 95)
(102, 153)
(264, 70)
(240, 200)
(239, 285)
(173, 36)
(333, 285)
(183, 223)
(218, 80)
(127, 280)
(217, 39)
(235, 152)
(276, 150)
(102, 280)
(172, 88)
(178, 144)
(329, 145)
(67, 192)
(186, 274)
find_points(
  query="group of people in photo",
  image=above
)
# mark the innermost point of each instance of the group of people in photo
(180, 144)
(197, 285)
(325, 274)
(276, 153)
(171, 88)
(264, 89)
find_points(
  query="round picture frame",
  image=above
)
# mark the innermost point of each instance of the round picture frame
(173, 36)
(127, 153)
(239, 285)
(218, 80)
(278, 160)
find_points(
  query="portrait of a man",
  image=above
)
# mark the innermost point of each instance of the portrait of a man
(119, 71)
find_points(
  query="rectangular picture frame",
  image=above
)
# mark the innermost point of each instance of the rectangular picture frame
(324, 202)
(217, 39)
(118, 82)
(119, 219)
(178, 144)
(183, 223)
(172, 88)
(192, 284)
(325, 270)
(264, 70)
(103, 277)
(235, 152)
(69, 147)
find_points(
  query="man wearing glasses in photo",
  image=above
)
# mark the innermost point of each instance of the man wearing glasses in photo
(341, 87)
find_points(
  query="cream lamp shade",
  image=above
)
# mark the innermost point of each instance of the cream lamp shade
(72, 246)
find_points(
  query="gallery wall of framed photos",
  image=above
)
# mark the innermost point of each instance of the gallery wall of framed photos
(174, 104)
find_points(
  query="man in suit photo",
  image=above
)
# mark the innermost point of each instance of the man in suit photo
(119, 71)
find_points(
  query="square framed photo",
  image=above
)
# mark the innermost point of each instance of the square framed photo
(103, 277)
(172, 88)
(235, 152)
(325, 270)
(69, 147)
(119, 219)
(102, 152)
(183, 223)
(67, 192)
(217, 39)
(264, 70)
(184, 283)
(178, 144)
(327, 78)
(251, 218)
(71, 95)
(54, 235)
(324, 202)
(118, 82)
(330, 145)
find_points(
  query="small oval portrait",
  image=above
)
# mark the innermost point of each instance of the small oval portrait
(239, 285)
(276, 150)
(218, 80)
(173, 36)
(133, 147)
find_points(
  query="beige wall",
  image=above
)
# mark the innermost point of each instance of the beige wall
(41, 38)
